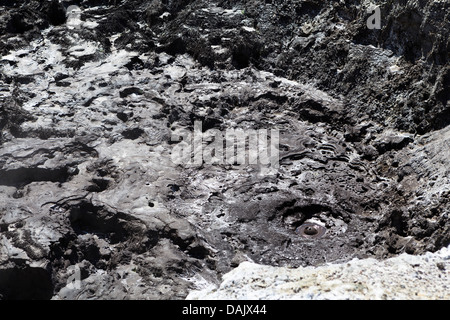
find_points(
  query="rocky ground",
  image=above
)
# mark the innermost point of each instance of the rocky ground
(92, 95)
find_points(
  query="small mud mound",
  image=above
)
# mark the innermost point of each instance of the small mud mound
(311, 230)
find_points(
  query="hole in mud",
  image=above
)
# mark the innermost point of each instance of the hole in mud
(133, 133)
(293, 231)
(296, 215)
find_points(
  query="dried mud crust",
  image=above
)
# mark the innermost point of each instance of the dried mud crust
(88, 107)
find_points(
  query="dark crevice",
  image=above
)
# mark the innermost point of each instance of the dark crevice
(133, 133)
(87, 218)
(99, 185)
(190, 245)
(25, 283)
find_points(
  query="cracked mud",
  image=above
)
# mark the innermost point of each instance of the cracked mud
(90, 99)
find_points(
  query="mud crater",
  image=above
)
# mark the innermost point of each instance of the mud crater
(272, 231)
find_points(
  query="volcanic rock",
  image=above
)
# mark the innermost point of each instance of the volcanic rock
(95, 203)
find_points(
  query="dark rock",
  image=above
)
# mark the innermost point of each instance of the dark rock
(126, 92)
(26, 283)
